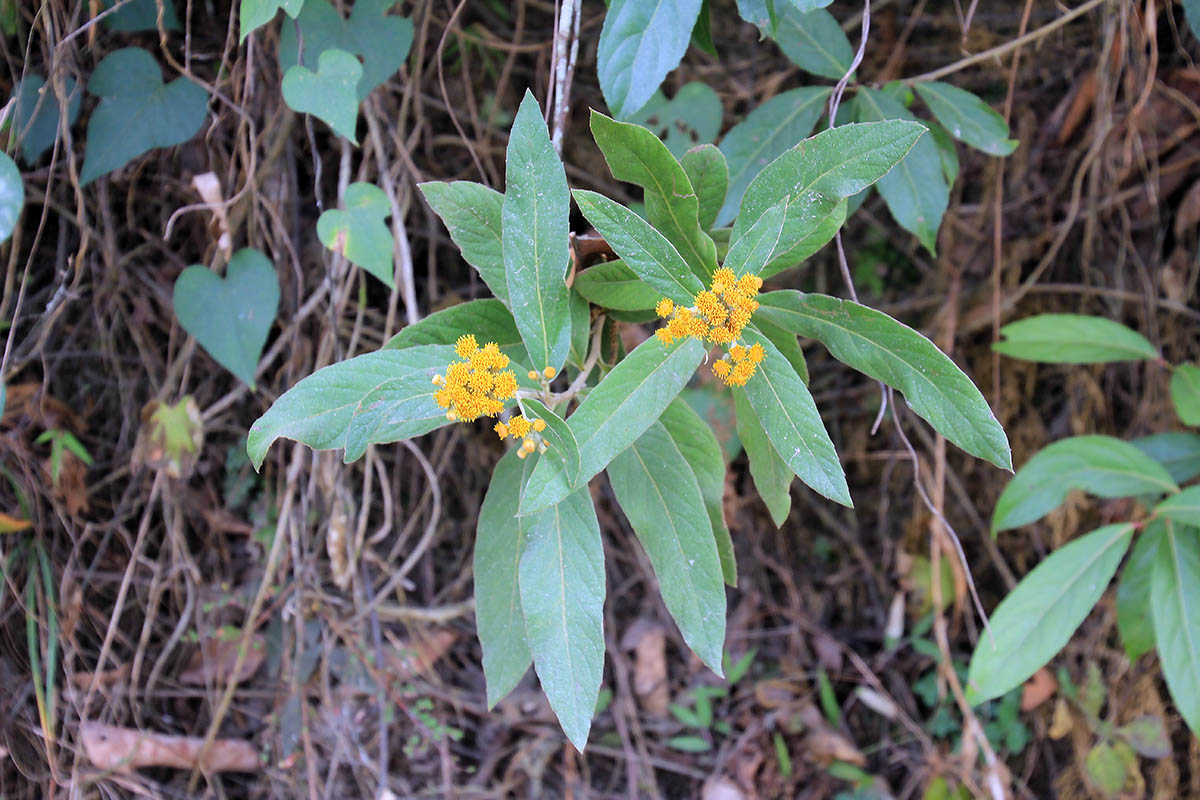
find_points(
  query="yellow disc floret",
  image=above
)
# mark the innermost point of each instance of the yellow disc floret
(466, 346)
(476, 386)
(549, 372)
(664, 307)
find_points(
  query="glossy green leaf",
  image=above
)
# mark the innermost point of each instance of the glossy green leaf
(499, 540)
(814, 41)
(329, 93)
(1134, 618)
(1175, 600)
(639, 44)
(702, 452)
(1183, 507)
(12, 196)
(140, 15)
(636, 155)
(889, 351)
(317, 410)
(380, 39)
(915, 191)
(1185, 393)
(1099, 465)
(789, 417)
(358, 231)
(614, 285)
(692, 117)
(766, 132)
(397, 409)
(816, 176)
(659, 493)
(471, 213)
(137, 112)
(752, 251)
(643, 249)
(256, 13)
(559, 437)
(772, 476)
(561, 577)
(36, 114)
(230, 316)
(615, 413)
(535, 230)
(1037, 617)
(1178, 452)
(1073, 339)
(709, 175)
(967, 118)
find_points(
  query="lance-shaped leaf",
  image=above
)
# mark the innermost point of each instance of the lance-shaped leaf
(1178, 452)
(615, 286)
(1185, 393)
(636, 155)
(789, 416)
(657, 490)
(639, 44)
(751, 252)
(317, 410)
(534, 231)
(1073, 339)
(771, 475)
(499, 541)
(561, 576)
(396, 409)
(471, 213)
(814, 41)
(1183, 508)
(489, 320)
(967, 118)
(785, 341)
(889, 351)
(1037, 618)
(615, 413)
(1135, 619)
(358, 230)
(1175, 600)
(560, 440)
(1099, 465)
(816, 175)
(12, 196)
(643, 249)
(700, 448)
(709, 175)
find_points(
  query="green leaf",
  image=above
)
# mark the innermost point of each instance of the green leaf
(816, 176)
(788, 415)
(702, 452)
(499, 540)
(1183, 508)
(1147, 735)
(643, 249)
(1185, 393)
(1178, 452)
(36, 114)
(255, 13)
(231, 316)
(639, 44)
(561, 575)
(772, 476)
(785, 341)
(1175, 600)
(329, 93)
(709, 175)
(535, 231)
(1099, 465)
(636, 155)
(658, 491)
(380, 39)
(689, 744)
(1037, 618)
(12, 196)
(581, 328)
(915, 191)
(317, 410)
(702, 31)
(614, 285)
(1105, 768)
(1191, 10)
(946, 150)
(1134, 618)
(358, 231)
(1073, 339)
(471, 212)
(760, 13)
(692, 117)
(397, 409)
(751, 252)
(889, 351)
(487, 319)
(765, 133)
(615, 413)
(140, 15)
(814, 41)
(562, 446)
(967, 118)
(137, 112)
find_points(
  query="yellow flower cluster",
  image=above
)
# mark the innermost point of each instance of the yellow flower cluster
(478, 385)
(719, 313)
(520, 428)
(740, 365)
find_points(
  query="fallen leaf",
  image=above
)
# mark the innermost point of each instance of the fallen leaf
(215, 659)
(83, 680)
(208, 186)
(72, 481)
(408, 660)
(1038, 689)
(1063, 722)
(650, 671)
(122, 749)
(170, 438)
(826, 745)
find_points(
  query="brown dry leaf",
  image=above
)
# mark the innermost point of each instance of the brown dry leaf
(27, 400)
(72, 481)
(170, 437)
(826, 745)
(650, 671)
(122, 749)
(214, 661)
(1063, 722)
(10, 524)
(1038, 689)
(208, 186)
(417, 656)
(83, 680)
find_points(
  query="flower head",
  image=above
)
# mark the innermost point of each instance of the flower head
(718, 314)
(476, 386)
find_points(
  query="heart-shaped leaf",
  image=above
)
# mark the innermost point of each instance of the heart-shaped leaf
(358, 230)
(137, 112)
(12, 196)
(230, 316)
(329, 93)
(140, 15)
(259, 12)
(36, 114)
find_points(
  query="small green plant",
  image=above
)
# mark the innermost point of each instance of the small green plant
(1158, 594)
(698, 713)
(62, 441)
